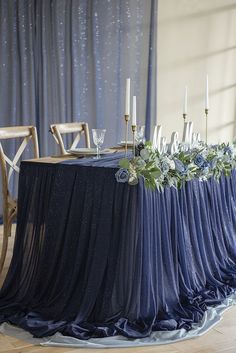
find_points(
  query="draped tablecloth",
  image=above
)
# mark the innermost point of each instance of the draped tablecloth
(96, 258)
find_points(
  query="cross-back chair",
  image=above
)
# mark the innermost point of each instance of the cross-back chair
(80, 128)
(8, 166)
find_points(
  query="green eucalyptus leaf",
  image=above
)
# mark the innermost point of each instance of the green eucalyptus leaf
(124, 163)
(155, 173)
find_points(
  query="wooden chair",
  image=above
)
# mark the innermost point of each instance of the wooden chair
(8, 166)
(80, 128)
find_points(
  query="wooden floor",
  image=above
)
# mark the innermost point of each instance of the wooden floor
(221, 339)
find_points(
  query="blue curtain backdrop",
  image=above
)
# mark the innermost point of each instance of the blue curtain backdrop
(67, 60)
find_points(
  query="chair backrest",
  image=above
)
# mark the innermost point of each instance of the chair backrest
(80, 128)
(8, 166)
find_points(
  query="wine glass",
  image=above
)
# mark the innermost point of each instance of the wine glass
(98, 139)
(139, 137)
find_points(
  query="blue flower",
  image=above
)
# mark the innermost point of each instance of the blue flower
(228, 150)
(180, 167)
(199, 161)
(205, 170)
(205, 165)
(165, 167)
(122, 175)
(213, 163)
(140, 162)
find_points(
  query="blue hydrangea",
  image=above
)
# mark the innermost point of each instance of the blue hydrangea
(122, 175)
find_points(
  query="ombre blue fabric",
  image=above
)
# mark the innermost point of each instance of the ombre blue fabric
(97, 258)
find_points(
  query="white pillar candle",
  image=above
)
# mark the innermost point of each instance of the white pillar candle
(207, 94)
(185, 107)
(134, 111)
(127, 97)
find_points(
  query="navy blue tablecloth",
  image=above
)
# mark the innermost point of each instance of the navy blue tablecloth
(94, 258)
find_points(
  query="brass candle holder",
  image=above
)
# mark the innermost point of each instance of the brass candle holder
(184, 117)
(127, 117)
(206, 127)
(133, 132)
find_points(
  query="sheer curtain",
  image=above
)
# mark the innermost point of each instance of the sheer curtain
(67, 60)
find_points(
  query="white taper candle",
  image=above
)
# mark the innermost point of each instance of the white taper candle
(207, 94)
(185, 107)
(134, 111)
(127, 97)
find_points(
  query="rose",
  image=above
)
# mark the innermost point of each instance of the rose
(165, 167)
(228, 150)
(144, 154)
(171, 163)
(199, 160)
(180, 167)
(140, 163)
(213, 163)
(205, 165)
(220, 154)
(122, 175)
(205, 170)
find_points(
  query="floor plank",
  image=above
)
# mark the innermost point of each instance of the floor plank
(220, 339)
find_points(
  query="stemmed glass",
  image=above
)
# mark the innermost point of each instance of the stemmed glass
(140, 134)
(98, 139)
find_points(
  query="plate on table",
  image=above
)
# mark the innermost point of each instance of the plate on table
(86, 151)
(122, 143)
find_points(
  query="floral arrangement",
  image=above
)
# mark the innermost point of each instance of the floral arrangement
(160, 170)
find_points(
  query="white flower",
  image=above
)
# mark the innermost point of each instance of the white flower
(144, 153)
(204, 153)
(171, 163)
(220, 154)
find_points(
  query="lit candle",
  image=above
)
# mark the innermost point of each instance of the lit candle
(134, 111)
(207, 94)
(185, 107)
(127, 97)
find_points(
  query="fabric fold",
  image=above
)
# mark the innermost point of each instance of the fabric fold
(97, 258)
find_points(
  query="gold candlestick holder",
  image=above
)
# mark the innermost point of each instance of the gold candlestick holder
(184, 117)
(206, 122)
(127, 117)
(133, 131)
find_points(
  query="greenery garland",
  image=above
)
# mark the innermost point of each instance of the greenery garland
(160, 170)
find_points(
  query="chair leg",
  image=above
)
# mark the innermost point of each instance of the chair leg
(7, 226)
(6, 231)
